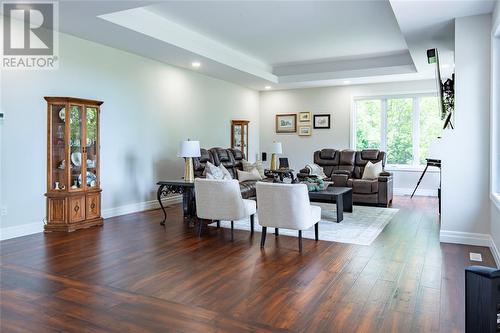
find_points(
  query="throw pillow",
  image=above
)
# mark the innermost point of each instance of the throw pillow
(316, 170)
(247, 166)
(251, 175)
(225, 173)
(372, 170)
(216, 172)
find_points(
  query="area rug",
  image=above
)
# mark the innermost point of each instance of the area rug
(361, 227)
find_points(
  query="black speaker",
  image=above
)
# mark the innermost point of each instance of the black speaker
(264, 157)
(482, 299)
(283, 163)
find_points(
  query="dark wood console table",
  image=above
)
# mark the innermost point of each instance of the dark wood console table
(180, 186)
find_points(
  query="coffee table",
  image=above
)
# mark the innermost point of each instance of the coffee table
(341, 196)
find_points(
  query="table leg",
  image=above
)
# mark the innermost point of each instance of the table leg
(348, 202)
(340, 208)
(158, 195)
(189, 205)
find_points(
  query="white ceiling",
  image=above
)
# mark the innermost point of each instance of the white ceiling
(277, 32)
(283, 44)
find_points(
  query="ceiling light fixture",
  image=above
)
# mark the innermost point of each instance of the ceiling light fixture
(267, 87)
(347, 82)
(196, 64)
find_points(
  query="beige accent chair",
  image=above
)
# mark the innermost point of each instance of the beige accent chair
(286, 206)
(218, 200)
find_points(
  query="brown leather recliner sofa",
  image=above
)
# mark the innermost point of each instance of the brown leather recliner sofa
(345, 168)
(231, 159)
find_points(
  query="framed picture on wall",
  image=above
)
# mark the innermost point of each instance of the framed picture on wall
(321, 121)
(305, 130)
(286, 123)
(304, 117)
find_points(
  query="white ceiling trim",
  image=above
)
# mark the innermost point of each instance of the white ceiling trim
(157, 27)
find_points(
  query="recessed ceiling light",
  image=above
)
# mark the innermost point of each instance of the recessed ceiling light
(196, 64)
(267, 87)
(347, 82)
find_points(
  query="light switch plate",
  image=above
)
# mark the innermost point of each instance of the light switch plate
(475, 256)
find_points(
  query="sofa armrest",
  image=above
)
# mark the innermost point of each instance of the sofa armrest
(302, 176)
(384, 176)
(304, 171)
(340, 179)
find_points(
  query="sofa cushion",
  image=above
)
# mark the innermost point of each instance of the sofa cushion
(199, 163)
(327, 154)
(331, 158)
(248, 175)
(247, 166)
(364, 186)
(347, 157)
(247, 189)
(370, 154)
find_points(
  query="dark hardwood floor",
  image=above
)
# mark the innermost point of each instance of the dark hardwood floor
(132, 275)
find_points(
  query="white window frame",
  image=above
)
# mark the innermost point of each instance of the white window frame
(415, 166)
(495, 119)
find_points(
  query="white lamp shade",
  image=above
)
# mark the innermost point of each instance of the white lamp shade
(189, 149)
(277, 148)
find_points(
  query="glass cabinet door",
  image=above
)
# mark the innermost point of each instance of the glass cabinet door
(76, 152)
(244, 137)
(92, 147)
(237, 136)
(58, 162)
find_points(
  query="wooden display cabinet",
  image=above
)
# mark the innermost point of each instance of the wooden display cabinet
(239, 135)
(73, 174)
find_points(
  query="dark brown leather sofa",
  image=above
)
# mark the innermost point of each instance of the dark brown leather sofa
(231, 159)
(345, 168)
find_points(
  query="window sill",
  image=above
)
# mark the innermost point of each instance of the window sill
(410, 168)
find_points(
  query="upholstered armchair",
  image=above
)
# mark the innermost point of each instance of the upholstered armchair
(218, 200)
(286, 206)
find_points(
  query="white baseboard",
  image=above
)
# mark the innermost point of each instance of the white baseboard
(467, 238)
(21, 230)
(420, 192)
(140, 206)
(36, 227)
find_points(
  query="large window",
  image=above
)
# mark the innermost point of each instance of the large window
(403, 126)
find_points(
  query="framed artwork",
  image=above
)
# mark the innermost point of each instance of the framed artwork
(304, 116)
(321, 121)
(305, 130)
(286, 123)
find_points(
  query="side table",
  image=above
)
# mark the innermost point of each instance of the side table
(180, 186)
(280, 173)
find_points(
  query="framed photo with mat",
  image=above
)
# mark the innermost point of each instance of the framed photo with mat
(321, 121)
(286, 123)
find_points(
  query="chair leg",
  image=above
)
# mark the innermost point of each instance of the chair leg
(200, 226)
(252, 219)
(316, 231)
(218, 224)
(276, 231)
(232, 229)
(300, 240)
(263, 236)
